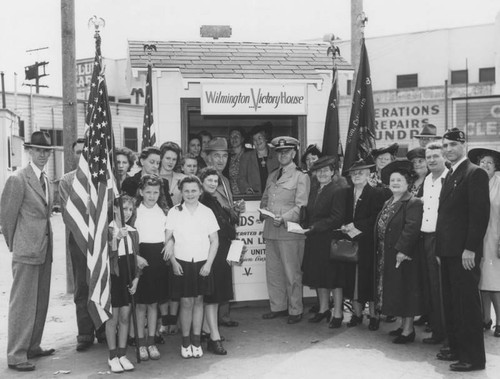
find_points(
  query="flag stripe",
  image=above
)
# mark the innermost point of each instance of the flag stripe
(148, 135)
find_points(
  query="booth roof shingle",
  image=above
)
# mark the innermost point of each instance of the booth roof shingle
(233, 60)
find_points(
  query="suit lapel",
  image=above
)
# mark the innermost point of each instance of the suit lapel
(34, 182)
(455, 178)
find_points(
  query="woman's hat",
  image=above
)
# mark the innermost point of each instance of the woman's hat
(391, 149)
(217, 144)
(362, 164)
(476, 154)
(311, 149)
(428, 131)
(418, 152)
(40, 140)
(399, 165)
(323, 162)
(265, 128)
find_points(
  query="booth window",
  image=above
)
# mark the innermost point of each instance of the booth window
(407, 81)
(56, 135)
(130, 138)
(487, 74)
(459, 77)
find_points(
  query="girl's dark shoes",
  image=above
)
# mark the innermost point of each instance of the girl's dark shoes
(355, 321)
(318, 317)
(336, 322)
(487, 325)
(216, 347)
(374, 323)
(497, 331)
(396, 332)
(402, 339)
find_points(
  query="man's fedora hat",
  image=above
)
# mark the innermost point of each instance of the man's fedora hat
(399, 165)
(476, 154)
(39, 140)
(362, 164)
(285, 142)
(391, 149)
(217, 144)
(428, 131)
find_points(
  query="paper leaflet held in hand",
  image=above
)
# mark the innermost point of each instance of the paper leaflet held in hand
(235, 251)
(293, 227)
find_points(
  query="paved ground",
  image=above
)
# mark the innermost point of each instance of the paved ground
(257, 348)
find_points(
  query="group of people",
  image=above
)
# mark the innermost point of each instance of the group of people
(423, 235)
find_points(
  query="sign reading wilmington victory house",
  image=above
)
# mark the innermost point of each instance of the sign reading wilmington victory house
(254, 98)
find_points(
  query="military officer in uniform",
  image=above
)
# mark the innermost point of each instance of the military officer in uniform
(287, 190)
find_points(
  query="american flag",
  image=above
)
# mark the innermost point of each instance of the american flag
(148, 135)
(93, 190)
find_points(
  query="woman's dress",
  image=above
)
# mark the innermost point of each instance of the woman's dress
(490, 263)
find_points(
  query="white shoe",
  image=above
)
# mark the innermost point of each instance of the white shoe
(114, 365)
(143, 353)
(153, 352)
(126, 364)
(197, 351)
(187, 352)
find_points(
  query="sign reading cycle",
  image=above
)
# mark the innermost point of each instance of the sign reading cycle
(284, 99)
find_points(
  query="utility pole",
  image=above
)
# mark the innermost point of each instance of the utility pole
(356, 34)
(70, 127)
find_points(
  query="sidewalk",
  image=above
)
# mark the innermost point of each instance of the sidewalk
(256, 349)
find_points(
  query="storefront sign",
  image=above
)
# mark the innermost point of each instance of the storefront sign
(250, 278)
(254, 99)
(84, 68)
(402, 122)
(478, 117)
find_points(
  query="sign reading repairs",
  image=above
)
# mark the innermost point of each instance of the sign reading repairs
(253, 98)
(397, 123)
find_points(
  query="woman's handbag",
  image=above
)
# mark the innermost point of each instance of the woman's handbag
(344, 251)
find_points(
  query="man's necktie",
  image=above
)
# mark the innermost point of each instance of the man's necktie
(42, 183)
(280, 172)
(448, 176)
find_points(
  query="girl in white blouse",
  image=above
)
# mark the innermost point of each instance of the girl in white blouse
(192, 237)
(153, 284)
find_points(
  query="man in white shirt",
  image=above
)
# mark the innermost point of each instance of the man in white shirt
(432, 188)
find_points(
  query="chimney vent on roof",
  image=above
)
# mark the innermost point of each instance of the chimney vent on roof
(215, 31)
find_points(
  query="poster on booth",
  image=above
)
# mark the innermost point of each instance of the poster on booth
(479, 118)
(249, 279)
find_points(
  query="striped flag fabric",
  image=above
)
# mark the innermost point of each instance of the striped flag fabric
(148, 135)
(93, 190)
(361, 133)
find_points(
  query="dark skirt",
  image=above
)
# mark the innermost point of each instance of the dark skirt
(191, 283)
(120, 297)
(153, 283)
(319, 271)
(223, 276)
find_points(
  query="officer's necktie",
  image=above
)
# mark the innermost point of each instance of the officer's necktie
(280, 172)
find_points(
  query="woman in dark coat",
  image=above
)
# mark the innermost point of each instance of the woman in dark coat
(222, 273)
(356, 209)
(399, 284)
(318, 271)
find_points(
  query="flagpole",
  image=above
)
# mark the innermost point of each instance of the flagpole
(122, 215)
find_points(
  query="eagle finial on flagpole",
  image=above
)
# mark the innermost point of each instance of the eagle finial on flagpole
(97, 22)
(362, 19)
(149, 48)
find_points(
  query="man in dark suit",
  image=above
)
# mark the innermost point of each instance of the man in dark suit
(463, 215)
(25, 209)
